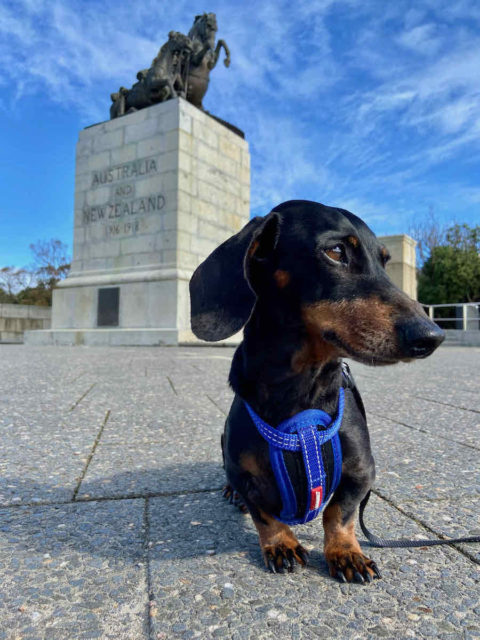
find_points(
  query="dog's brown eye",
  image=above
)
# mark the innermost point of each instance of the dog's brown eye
(336, 253)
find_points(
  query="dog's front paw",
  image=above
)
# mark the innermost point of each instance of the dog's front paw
(282, 556)
(350, 565)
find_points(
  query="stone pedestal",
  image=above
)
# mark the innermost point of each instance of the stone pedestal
(155, 192)
(402, 266)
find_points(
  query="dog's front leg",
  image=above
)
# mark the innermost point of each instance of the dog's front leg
(279, 545)
(342, 550)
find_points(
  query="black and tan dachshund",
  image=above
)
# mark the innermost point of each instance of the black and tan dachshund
(308, 282)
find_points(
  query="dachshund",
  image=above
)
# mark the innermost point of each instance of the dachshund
(308, 284)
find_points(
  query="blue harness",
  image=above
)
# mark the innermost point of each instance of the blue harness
(315, 434)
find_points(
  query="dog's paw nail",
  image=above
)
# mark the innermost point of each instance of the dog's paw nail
(303, 556)
(358, 577)
(289, 561)
(340, 576)
(271, 565)
(227, 490)
(280, 558)
(375, 570)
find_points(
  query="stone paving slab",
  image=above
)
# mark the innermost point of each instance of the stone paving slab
(451, 517)
(133, 472)
(179, 452)
(43, 455)
(411, 464)
(178, 421)
(447, 377)
(109, 473)
(73, 571)
(208, 580)
(448, 423)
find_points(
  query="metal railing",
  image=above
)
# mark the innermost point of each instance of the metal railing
(466, 318)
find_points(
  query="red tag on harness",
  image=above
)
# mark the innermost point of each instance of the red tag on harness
(316, 497)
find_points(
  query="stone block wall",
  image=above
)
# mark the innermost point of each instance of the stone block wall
(213, 185)
(17, 318)
(125, 189)
(162, 186)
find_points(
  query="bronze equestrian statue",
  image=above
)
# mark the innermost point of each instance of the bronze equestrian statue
(204, 56)
(181, 68)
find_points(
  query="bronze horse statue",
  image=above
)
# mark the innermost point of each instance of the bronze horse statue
(181, 68)
(204, 56)
(163, 80)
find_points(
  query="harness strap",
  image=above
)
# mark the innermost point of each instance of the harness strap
(312, 458)
(286, 435)
(301, 433)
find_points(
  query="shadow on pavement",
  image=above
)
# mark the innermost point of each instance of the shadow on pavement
(190, 524)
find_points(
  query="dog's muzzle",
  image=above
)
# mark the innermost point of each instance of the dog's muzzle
(419, 338)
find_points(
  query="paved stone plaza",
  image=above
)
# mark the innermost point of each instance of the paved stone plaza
(112, 524)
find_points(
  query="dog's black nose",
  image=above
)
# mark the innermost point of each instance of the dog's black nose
(419, 338)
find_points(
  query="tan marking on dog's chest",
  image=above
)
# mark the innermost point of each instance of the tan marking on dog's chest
(282, 278)
(250, 463)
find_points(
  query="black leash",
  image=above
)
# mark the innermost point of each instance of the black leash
(376, 541)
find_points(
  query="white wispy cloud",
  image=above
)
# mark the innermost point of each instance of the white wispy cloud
(423, 39)
(342, 101)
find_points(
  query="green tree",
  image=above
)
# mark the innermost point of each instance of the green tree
(40, 295)
(452, 271)
(34, 284)
(12, 281)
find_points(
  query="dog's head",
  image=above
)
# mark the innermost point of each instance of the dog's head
(322, 268)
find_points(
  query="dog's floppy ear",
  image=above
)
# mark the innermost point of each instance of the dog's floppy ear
(220, 295)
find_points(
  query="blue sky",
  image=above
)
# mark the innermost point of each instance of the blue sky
(370, 105)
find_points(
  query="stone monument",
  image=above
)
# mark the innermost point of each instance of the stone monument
(156, 190)
(402, 267)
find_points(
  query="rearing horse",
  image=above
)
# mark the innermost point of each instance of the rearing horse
(204, 56)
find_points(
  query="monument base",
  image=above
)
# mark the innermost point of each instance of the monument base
(120, 338)
(102, 337)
